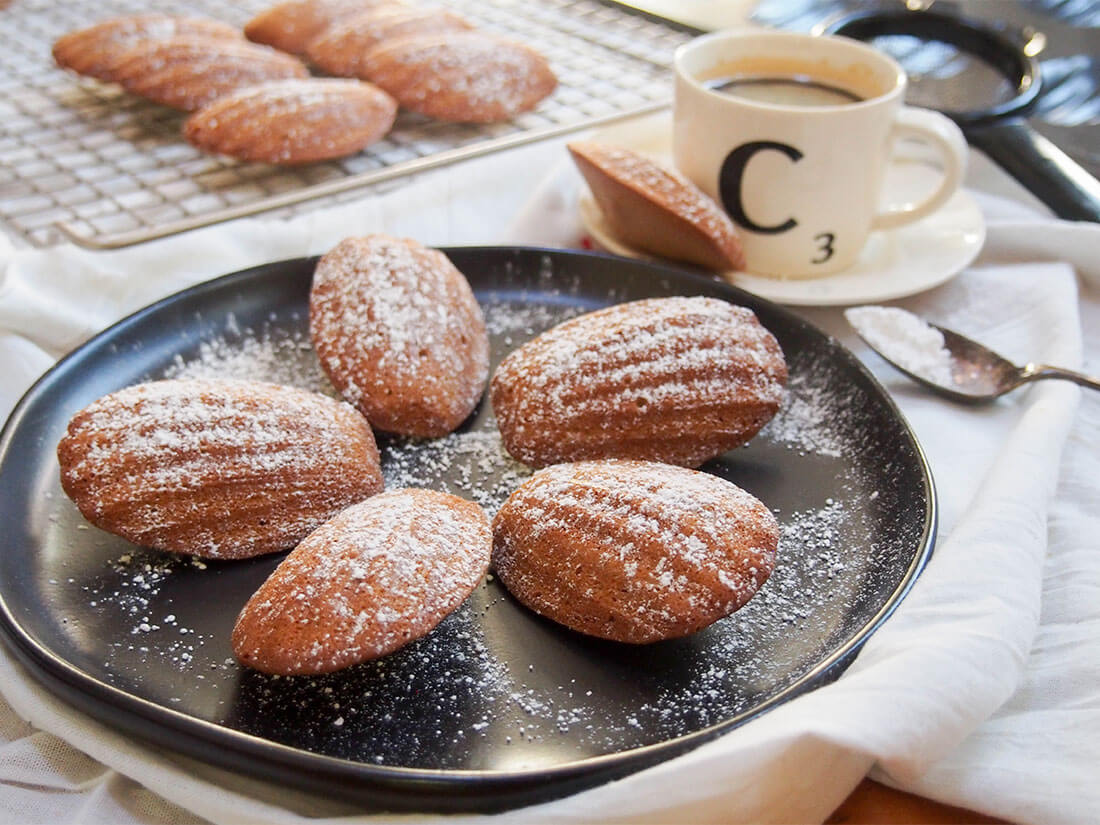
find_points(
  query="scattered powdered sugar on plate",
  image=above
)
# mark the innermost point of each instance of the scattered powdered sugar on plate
(514, 323)
(136, 584)
(808, 415)
(376, 713)
(472, 464)
(492, 675)
(131, 592)
(275, 353)
(732, 652)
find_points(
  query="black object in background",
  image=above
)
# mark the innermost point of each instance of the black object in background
(1021, 79)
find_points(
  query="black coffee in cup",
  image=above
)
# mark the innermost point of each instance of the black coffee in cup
(798, 90)
(789, 82)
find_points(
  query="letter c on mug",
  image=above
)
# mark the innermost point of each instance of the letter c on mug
(729, 183)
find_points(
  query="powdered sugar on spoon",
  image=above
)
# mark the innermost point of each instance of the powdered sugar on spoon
(945, 361)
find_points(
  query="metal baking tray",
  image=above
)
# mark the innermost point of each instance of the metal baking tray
(84, 161)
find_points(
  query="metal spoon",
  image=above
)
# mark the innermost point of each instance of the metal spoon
(981, 375)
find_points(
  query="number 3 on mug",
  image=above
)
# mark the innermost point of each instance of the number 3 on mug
(825, 248)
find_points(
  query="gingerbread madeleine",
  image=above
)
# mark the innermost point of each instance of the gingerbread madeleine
(675, 379)
(468, 77)
(379, 575)
(190, 71)
(290, 25)
(219, 469)
(341, 48)
(633, 551)
(293, 121)
(400, 334)
(655, 209)
(94, 51)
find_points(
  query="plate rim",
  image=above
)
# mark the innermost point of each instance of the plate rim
(477, 790)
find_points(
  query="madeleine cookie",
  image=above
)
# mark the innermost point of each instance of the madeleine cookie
(94, 51)
(680, 380)
(467, 77)
(190, 71)
(379, 575)
(218, 469)
(632, 551)
(400, 334)
(290, 25)
(656, 209)
(342, 47)
(293, 121)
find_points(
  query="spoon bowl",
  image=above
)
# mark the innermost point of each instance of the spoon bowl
(978, 375)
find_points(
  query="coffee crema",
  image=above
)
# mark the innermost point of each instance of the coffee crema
(799, 90)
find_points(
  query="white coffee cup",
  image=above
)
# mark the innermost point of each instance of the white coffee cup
(801, 171)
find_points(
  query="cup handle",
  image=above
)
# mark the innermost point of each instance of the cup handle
(941, 133)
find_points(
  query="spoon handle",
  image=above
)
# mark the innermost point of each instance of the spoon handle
(1036, 372)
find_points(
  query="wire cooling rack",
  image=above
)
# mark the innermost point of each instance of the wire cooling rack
(84, 161)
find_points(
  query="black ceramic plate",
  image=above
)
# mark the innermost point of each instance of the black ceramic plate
(497, 707)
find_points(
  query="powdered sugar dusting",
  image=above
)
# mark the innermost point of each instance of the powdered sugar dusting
(462, 76)
(291, 24)
(381, 573)
(634, 551)
(470, 464)
(513, 324)
(802, 421)
(188, 71)
(95, 50)
(492, 686)
(341, 48)
(676, 379)
(400, 334)
(219, 468)
(293, 121)
(278, 353)
(905, 339)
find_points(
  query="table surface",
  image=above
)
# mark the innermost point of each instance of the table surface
(873, 802)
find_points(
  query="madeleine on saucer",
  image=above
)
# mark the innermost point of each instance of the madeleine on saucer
(656, 209)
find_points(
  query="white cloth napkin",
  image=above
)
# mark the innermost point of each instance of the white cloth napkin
(983, 690)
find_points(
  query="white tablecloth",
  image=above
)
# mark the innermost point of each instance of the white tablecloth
(983, 690)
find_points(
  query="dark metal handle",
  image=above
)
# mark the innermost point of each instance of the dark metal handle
(1041, 167)
(1035, 372)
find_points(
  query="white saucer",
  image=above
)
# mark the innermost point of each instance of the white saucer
(893, 264)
